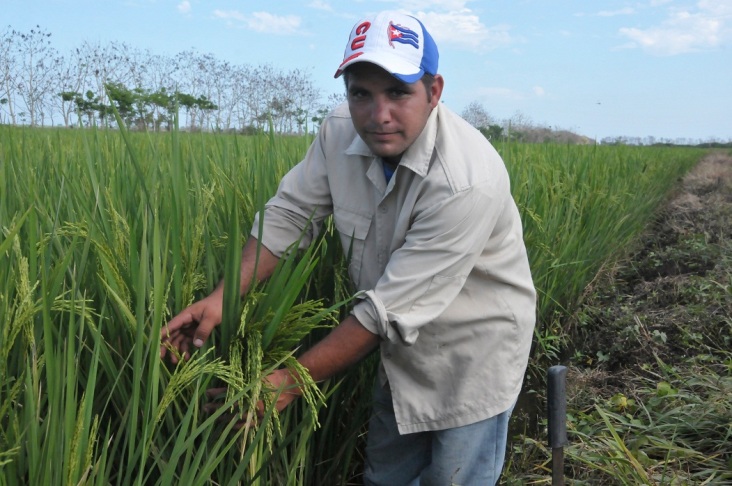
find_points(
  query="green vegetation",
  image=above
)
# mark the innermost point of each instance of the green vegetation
(106, 234)
(650, 373)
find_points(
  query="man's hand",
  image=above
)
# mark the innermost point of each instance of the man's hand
(191, 327)
(280, 384)
(194, 324)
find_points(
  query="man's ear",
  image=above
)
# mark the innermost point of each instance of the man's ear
(436, 89)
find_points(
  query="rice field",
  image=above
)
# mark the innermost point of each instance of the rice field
(107, 234)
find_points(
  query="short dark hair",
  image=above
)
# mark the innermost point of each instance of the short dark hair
(427, 79)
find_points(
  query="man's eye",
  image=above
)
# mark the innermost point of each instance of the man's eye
(399, 93)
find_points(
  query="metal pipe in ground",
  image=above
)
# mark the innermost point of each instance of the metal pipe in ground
(557, 420)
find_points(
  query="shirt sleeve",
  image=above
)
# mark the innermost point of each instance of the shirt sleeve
(302, 201)
(424, 276)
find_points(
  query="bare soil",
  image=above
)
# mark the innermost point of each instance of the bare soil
(672, 297)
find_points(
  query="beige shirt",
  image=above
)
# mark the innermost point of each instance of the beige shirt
(438, 254)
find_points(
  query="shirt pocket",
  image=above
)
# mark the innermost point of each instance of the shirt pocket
(353, 228)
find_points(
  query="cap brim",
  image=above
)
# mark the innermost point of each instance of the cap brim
(394, 65)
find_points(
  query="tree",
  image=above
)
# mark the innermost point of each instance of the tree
(36, 83)
(86, 104)
(8, 73)
(205, 105)
(124, 100)
(3, 101)
(72, 73)
(304, 96)
(105, 64)
(476, 114)
(334, 99)
(492, 132)
(163, 105)
(261, 90)
(38, 63)
(519, 121)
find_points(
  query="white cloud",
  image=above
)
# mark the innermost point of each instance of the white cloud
(184, 7)
(229, 15)
(321, 5)
(261, 21)
(463, 27)
(615, 13)
(717, 8)
(685, 30)
(452, 22)
(539, 91)
(443, 5)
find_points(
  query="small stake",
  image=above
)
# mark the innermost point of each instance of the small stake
(557, 420)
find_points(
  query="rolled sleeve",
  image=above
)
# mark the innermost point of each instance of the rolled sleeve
(280, 223)
(302, 201)
(371, 313)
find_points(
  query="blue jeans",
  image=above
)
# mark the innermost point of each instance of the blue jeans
(472, 455)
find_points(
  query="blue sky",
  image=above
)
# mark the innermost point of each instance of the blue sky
(660, 68)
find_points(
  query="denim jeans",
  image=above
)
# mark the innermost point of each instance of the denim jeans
(472, 455)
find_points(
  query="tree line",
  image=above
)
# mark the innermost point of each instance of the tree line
(521, 128)
(518, 127)
(41, 86)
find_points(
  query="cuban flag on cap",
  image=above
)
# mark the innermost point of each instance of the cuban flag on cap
(396, 42)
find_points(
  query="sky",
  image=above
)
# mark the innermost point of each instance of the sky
(647, 68)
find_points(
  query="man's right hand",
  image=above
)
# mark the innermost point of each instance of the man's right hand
(191, 327)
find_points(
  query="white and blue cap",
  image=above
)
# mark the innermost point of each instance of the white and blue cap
(394, 41)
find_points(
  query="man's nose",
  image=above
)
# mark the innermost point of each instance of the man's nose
(381, 110)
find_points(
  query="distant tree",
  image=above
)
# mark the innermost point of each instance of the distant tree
(519, 121)
(477, 115)
(220, 91)
(8, 73)
(37, 64)
(162, 80)
(86, 105)
(261, 91)
(188, 102)
(193, 82)
(71, 75)
(334, 99)
(164, 106)
(492, 132)
(125, 100)
(299, 87)
(3, 101)
(107, 64)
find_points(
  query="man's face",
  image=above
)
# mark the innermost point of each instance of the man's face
(388, 114)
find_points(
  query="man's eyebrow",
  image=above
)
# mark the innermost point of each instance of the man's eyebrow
(394, 85)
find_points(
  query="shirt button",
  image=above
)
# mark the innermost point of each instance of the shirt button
(383, 209)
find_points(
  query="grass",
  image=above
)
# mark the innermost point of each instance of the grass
(581, 207)
(650, 373)
(106, 234)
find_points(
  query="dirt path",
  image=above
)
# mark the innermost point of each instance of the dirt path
(673, 298)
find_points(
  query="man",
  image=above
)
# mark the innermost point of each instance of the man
(422, 204)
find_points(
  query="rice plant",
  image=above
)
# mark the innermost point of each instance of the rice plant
(581, 207)
(107, 234)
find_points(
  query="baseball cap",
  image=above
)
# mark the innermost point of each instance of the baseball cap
(394, 41)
